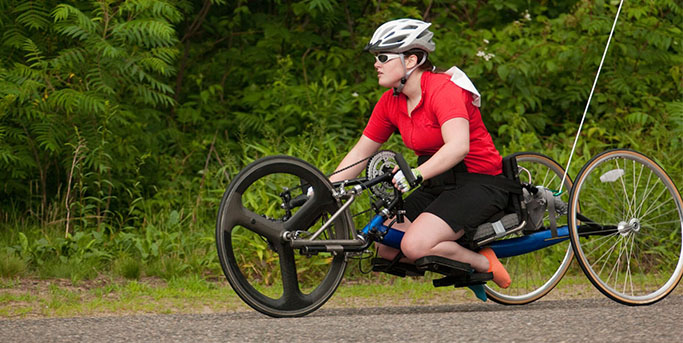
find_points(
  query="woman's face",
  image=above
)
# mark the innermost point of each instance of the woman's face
(390, 72)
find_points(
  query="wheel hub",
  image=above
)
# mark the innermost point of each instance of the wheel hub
(625, 228)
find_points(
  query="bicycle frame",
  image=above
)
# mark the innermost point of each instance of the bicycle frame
(376, 231)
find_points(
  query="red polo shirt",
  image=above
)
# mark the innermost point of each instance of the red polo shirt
(441, 101)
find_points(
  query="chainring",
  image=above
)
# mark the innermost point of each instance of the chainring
(381, 162)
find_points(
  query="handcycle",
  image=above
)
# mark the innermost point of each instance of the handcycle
(622, 218)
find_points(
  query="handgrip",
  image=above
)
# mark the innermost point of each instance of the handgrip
(405, 168)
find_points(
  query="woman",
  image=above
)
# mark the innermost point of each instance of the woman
(437, 120)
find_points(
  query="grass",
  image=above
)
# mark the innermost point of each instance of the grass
(107, 296)
(128, 268)
(73, 268)
(60, 298)
(30, 298)
(12, 265)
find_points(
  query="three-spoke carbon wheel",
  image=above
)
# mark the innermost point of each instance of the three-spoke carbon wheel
(536, 273)
(261, 266)
(628, 233)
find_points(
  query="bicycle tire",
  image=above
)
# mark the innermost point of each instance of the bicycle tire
(536, 273)
(249, 228)
(629, 227)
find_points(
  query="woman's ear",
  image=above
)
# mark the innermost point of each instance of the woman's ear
(411, 61)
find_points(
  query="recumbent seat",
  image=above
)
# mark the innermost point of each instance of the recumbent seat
(513, 218)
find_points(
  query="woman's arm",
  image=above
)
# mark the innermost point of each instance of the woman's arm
(363, 149)
(456, 137)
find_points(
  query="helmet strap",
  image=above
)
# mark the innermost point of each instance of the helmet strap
(407, 73)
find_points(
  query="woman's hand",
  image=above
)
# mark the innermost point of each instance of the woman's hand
(401, 182)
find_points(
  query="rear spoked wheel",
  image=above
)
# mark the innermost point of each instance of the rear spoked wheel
(259, 264)
(536, 273)
(628, 233)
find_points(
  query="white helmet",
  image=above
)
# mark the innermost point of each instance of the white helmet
(401, 35)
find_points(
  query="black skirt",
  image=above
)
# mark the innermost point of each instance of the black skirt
(462, 205)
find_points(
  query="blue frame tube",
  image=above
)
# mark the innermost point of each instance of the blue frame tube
(526, 244)
(502, 248)
(376, 221)
(392, 237)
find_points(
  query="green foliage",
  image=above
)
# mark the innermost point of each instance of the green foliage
(122, 122)
(79, 86)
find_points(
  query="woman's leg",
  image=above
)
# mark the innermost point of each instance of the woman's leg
(414, 204)
(431, 235)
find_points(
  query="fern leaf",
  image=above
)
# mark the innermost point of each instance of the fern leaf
(156, 65)
(69, 58)
(32, 14)
(72, 31)
(13, 38)
(155, 8)
(146, 32)
(637, 117)
(64, 99)
(64, 12)
(91, 103)
(108, 50)
(321, 5)
(48, 134)
(166, 10)
(99, 80)
(166, 54)
(34, 55)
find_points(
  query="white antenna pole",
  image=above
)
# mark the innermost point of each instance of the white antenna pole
(595, 82)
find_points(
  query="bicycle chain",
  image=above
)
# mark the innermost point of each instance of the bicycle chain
(350, 166)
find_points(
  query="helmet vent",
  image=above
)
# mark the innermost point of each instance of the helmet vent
(394, 40)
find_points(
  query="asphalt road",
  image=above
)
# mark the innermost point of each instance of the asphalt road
(591, 320)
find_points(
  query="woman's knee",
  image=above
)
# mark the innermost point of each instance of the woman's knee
(413, 248)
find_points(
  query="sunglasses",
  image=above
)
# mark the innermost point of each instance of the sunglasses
(384, 58)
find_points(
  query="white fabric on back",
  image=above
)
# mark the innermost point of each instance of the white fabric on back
(461, 80)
